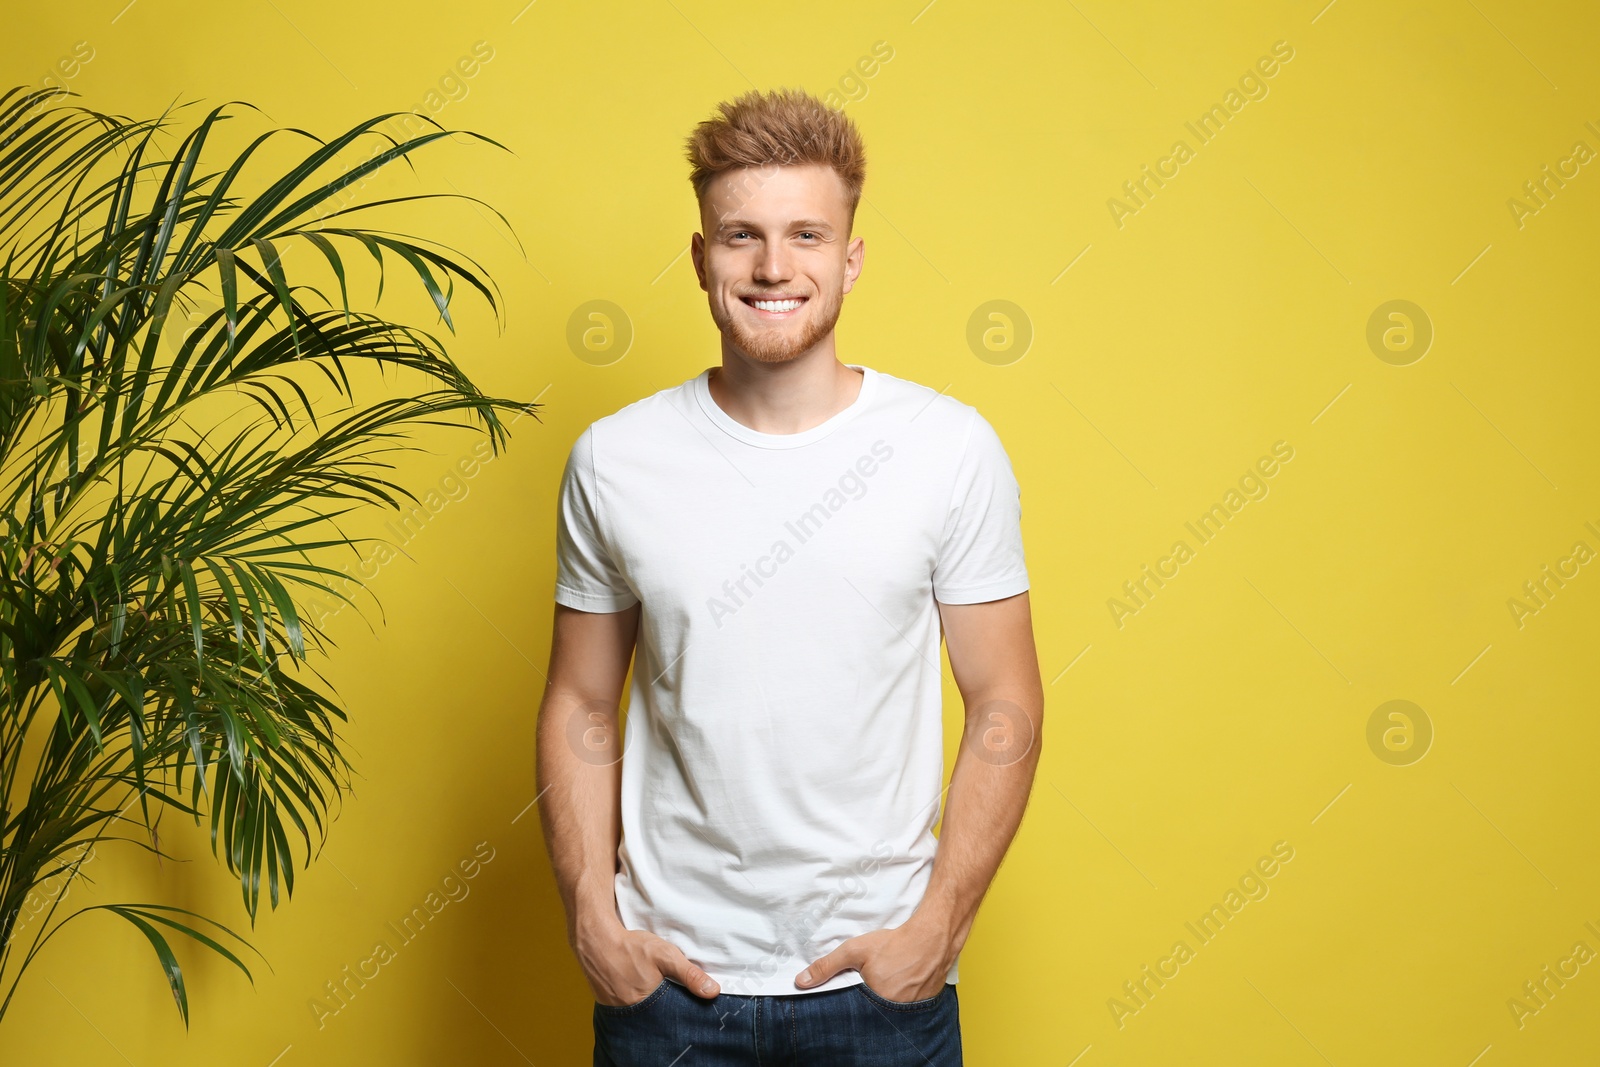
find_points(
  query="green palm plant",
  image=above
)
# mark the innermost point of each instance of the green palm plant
(154, 648)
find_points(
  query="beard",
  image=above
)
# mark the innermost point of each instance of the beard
(780, 343)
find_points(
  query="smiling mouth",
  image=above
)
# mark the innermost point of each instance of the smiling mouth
(775, 308)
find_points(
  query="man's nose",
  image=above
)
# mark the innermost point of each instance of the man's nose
(773, 265)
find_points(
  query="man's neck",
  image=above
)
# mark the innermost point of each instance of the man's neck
(784, 398)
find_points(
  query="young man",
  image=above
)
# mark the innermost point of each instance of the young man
(752, 876)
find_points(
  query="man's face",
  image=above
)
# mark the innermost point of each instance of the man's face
(775, 257)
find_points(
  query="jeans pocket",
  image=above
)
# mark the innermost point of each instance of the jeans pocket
(901, 1005)
(626, 1009)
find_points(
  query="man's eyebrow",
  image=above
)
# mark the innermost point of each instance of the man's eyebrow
(797, 224)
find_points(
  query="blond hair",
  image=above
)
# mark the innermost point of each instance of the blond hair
(782, 127)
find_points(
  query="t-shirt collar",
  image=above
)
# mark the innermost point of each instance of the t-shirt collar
(734, 428)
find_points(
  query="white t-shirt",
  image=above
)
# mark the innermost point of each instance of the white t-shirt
(783, 756)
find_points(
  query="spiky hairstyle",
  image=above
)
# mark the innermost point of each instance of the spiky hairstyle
(782, 127)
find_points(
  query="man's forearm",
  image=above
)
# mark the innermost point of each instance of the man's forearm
(578, 806)
(989, 790)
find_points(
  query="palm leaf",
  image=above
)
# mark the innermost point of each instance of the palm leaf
(155, 555)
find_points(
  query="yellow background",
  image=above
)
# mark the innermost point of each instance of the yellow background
(1229, 313)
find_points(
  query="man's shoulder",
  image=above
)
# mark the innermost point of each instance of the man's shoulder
(643, 418)
(645, 422)
(931, 409)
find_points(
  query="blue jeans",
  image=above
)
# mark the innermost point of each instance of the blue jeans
(850, 1027)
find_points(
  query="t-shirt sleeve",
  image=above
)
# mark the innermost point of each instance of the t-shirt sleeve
(587, 577)
(980, 553)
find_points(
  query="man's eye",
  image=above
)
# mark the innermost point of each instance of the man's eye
(808, 233)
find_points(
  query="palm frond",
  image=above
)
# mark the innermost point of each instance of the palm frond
(156, 556)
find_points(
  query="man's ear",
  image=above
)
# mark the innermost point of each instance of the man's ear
(697, 253)
(854, 258)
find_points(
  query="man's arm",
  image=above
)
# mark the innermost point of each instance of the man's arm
(579, 777)
(997, 671)
(579, 750)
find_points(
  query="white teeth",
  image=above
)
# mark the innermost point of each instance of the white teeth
(777, 305)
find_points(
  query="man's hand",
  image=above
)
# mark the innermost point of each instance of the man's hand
(905, 963)
(625, 966)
